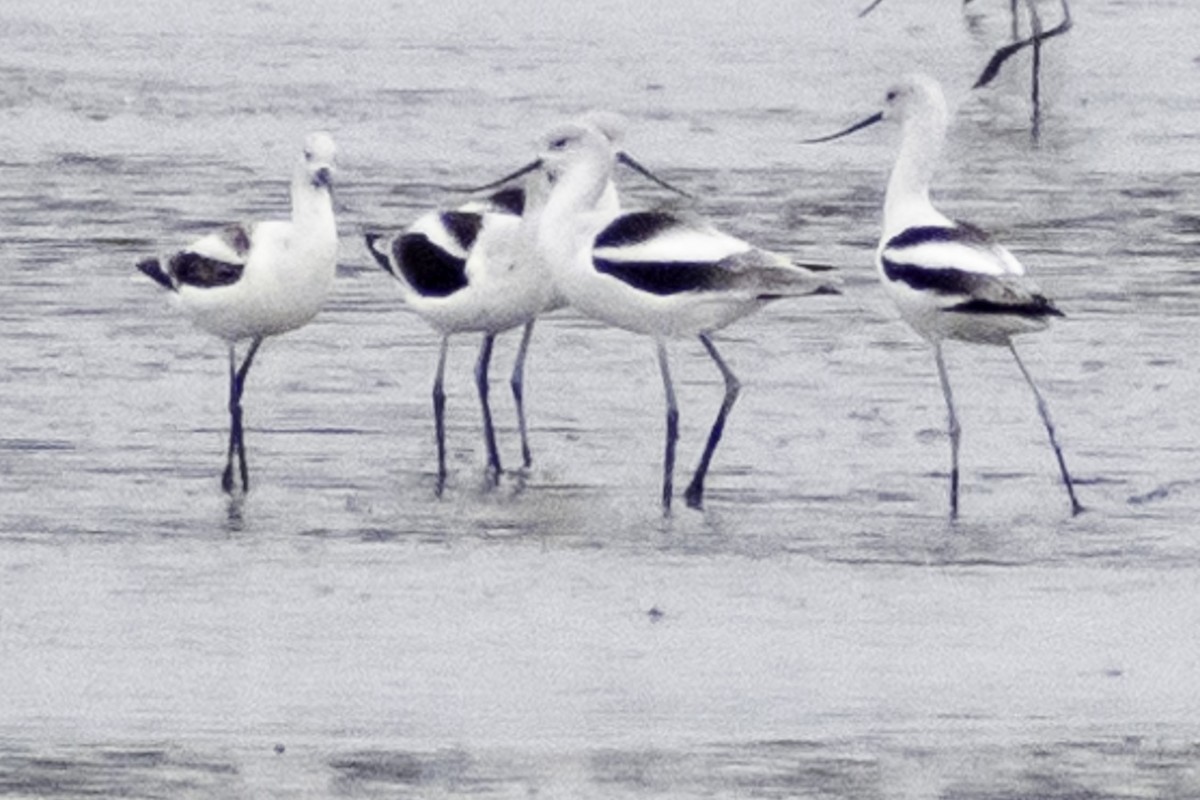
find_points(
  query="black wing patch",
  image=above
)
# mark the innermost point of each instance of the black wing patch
(635, 228)
(989, 294)
(510, 200)
(939, 280)
(925, 234)
(666, 277)
(463, 226)
(379, 255)
(944, 280)
(192, 269)
(189, 268)
(153, 269)
(427, 268)
(1036, 306)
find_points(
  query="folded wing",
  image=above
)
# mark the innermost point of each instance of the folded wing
(662, 253)
(964, 270)
(218, 259)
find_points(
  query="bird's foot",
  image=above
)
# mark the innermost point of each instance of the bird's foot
(493, 476)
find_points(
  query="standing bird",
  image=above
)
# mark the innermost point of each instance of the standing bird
(948, 279)
(250, 281)
(651, 272)
(461, 272)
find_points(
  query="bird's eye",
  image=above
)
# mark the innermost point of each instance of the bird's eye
(892, 95)
(308, 155)
(558, 144)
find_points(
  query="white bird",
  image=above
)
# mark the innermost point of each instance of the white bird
(949, 279)
(250, 281)
(651, 272)
(461, 272)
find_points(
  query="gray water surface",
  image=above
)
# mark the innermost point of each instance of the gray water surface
(820, 630)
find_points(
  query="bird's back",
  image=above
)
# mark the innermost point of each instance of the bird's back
(281, 282)
(954, 281)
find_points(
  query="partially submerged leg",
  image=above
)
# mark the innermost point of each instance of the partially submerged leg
(489, 432)
(518, 390)
(695, 490)
(237, 444)
(439, 414)
(234, 422)
(992, 69)
(1044, 410)
(1035, 89)
(954, 430)
(672, 429)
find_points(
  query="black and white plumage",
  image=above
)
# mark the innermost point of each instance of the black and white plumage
(250, 281)
(460, 270)
(666, 253)
(217, 260)
(949, 280)
(954, 282)
(657, 273)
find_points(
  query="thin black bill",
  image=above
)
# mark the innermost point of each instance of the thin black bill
(628, 160)
(858, 126)
(525, 170)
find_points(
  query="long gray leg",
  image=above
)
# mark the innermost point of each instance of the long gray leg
(234, 414)
(518, 390)
(672, 429)
(439, 414)
(241, 385)
(695, 490)
(1044, 410)
(955, 431)
(489, 432)
(237, 444)
(1035, 90)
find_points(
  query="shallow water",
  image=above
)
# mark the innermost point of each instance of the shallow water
(819, 630)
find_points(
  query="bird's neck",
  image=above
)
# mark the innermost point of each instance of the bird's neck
(312, 206)
(580, 188)
(907, 203)
(563, 222)
(608, 200)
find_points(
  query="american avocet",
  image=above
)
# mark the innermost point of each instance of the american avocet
(257, 280)
(460, 271)
(948, 279)
(1038, 34)
(651, 272)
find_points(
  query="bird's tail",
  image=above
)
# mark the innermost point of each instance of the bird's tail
(823, 278)
(812, 266)
(153, 269)
(785, 278)
(770, 276)
(377, 244)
